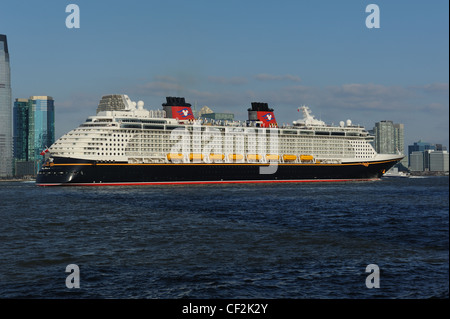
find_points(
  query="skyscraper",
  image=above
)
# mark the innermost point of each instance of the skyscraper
(6, 145)
(389, 137)
(419, 147)
(384, 137)
(416, 160)
(41, 121)
(20, 116)
(429, 160)
(439, 161)
(399, 137)
(34, 130)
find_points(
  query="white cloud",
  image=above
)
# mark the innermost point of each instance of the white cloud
(423, 109)
(440, 88)
(271, 77)
(237, 80)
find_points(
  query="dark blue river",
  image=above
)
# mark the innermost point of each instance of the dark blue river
(299, 240)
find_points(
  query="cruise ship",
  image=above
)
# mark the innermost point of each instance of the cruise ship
(126, 144)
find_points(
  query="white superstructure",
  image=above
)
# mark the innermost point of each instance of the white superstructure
(124, 131)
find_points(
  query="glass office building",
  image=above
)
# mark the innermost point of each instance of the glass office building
(20, 129)
(429, 160)
(420, 147)
(34, 131)
(439, 161)
(41, 125)
(6, 139)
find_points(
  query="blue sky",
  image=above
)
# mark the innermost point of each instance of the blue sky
(227, 54)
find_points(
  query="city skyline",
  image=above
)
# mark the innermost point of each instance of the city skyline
(228, 54)
(6, 142)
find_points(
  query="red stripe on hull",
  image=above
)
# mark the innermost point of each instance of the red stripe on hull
(213, 182)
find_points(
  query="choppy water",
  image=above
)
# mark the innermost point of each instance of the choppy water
(227, 241)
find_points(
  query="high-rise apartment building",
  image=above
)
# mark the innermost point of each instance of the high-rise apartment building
(34, 131)
(6, 144)
(399, 137)
(384, 137)
(389, 138)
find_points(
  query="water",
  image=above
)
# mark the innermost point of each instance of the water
(227, 241)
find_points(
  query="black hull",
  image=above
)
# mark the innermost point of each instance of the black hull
(72, 172)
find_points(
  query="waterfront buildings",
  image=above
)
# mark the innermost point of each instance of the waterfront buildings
(416, 160)
(424, 156)
(429, 161)
(207, 113)
(389, 138)
(204, 110)
(6, 144)
(219, 116)
(421, 156)
(439, 161)
(34, 131)
(20, 129)
(419, 147)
